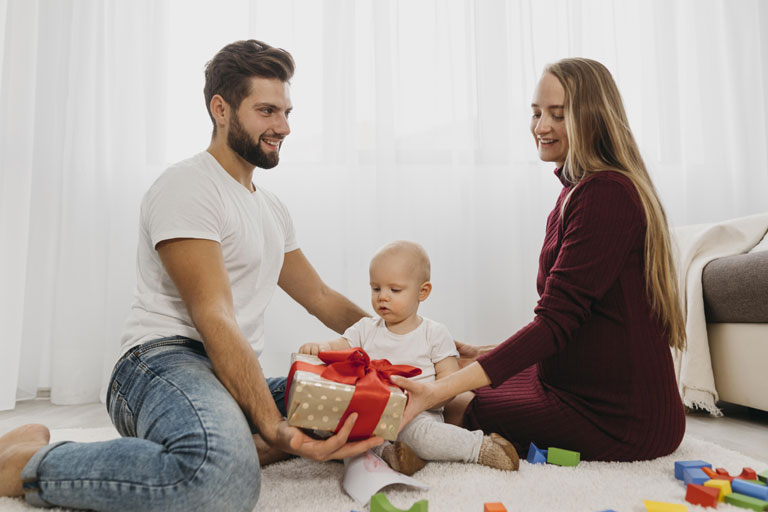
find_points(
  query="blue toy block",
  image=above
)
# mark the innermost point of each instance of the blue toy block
(536, 455)
(380, 503)
(694, 476)
(681, 465)
(750, 489)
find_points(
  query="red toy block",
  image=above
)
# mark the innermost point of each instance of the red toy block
(701, 495)
(494, 507)
(748, 474)
(722, 474)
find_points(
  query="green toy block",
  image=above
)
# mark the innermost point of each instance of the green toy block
(744, 501)
(380, 503)
(763, 475)
(563, 457)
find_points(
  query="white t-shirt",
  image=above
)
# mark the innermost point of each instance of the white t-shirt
(423, 347)
(197, 198)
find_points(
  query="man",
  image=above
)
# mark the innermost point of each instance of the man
(188, 391)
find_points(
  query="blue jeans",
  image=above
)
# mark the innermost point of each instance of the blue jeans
(186, 443)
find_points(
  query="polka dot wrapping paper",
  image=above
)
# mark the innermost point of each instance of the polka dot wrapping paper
(317, 403)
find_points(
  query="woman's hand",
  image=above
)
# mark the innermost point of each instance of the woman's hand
(426, 395)
(421, 396)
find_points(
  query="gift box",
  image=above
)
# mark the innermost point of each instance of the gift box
(325, 389)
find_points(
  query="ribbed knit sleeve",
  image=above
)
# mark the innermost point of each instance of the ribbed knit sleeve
(603, 222)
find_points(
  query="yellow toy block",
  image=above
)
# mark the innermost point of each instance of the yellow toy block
(660, 506)
(723, 485)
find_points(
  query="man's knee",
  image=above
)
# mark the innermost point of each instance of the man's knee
(227, 479)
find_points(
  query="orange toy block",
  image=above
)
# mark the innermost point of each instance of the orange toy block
(717, 476)
(494, 507)
(724, 487)
(702, 495)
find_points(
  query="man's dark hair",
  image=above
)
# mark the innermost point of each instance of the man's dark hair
(229, 72)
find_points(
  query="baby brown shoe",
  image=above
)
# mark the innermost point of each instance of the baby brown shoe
(498, 453)
(402, 458)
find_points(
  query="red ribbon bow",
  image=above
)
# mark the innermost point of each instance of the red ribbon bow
(371, 379)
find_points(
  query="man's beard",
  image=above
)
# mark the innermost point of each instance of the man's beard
(242, 144)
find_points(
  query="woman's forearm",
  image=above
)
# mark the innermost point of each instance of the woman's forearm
(468, 378)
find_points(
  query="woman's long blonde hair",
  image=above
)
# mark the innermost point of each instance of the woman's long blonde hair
(599, 139)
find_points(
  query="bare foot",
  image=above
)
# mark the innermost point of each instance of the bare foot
(16, 448)
(268, 454)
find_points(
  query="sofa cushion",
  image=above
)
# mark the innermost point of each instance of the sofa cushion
(736, 288)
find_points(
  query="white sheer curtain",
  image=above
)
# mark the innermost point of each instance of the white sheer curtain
(82, 85)
(411, 121)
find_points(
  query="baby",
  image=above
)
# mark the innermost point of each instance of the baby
(400, 273)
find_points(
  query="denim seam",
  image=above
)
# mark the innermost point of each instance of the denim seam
(145, 486)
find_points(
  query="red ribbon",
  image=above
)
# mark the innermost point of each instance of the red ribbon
(371, 379)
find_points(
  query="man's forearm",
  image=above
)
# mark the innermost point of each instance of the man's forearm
(336, 311)
(237, 367)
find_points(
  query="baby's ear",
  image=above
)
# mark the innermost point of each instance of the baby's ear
(424, 290)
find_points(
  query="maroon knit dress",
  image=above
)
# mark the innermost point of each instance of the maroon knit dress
(593, 371)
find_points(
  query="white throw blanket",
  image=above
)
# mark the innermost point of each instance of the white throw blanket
(697, 245)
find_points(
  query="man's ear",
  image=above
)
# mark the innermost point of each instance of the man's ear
(424, 290)
(220, 110)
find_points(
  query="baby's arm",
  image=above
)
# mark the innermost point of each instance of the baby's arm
(444, 368)
(316, 348)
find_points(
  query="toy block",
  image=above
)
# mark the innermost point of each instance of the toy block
(750, 489)
(680, 466)
(536, 455)
(748, 474)
(562, 457)
(694, 476)
(763, 476)
(744, 501)
(715, 475)
(494, 507)
(380, 503)
(701, 495)
(758, 482)
(660, 506)
(724, 486)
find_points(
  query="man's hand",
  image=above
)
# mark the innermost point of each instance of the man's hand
(468, 354)
(314, 348)
(292, 440)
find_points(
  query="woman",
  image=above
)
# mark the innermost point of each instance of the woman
(593, 371)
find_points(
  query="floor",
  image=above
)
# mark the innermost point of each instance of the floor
(740, 429)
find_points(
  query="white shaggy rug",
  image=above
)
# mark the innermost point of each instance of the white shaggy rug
(305, 486)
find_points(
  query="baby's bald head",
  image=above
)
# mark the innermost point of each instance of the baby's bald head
(410, 254)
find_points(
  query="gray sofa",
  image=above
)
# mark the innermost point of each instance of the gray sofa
(736, 308)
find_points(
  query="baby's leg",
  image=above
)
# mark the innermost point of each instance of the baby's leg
(432, 439)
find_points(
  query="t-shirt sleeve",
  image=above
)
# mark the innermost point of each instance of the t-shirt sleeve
(602, 225)
(286, 221)
(355, 334)
(183, 204)
(441, 343)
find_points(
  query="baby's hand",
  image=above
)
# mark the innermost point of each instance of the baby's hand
(313, 348)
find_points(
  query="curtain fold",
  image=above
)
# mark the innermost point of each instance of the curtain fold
(80, 138)
(411, 121)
